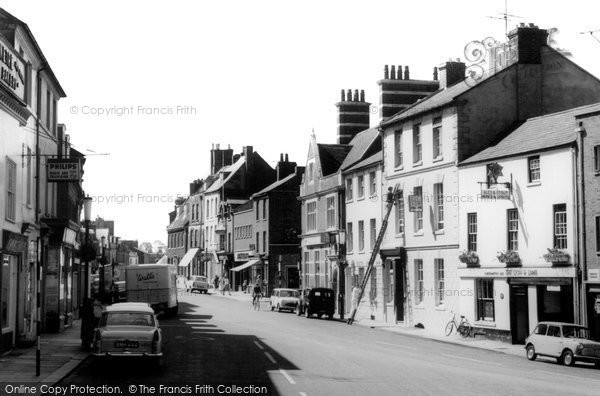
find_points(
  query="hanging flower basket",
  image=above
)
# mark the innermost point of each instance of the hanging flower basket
(470, 258)
(510, 258)
(557, 257)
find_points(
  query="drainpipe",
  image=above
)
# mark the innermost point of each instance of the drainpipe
(580, 131)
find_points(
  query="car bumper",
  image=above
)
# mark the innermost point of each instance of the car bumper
(126, 354)
(588, 359)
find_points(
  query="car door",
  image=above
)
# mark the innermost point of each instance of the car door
(554, 339)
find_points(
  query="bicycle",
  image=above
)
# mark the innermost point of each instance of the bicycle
(463, 327)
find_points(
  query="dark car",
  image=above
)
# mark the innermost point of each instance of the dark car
(318, 301)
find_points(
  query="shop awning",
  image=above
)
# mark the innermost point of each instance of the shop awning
(245, 265)
(188, 256)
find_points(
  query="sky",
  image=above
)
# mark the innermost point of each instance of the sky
(154, 84)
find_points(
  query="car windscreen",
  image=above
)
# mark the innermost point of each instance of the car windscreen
(575, 332)
(128, 319)
(288, 293)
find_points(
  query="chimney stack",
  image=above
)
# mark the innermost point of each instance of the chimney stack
(451, 72)
(527, 41)
(219, 158)
(435, 74)
(398, 91)
(353, 116)
(284, 167)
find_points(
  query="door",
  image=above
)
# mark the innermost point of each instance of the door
(293, 278)
(554, 344)
(400, 287)
(519, 313)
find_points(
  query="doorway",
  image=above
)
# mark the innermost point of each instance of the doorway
(394, 290)
(519, 313)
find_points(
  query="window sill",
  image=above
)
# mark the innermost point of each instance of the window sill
(439, 232)
(438, 159)
(534, 184)
(401, 235)
(418, 233)
(361, 252)
(485, 323)
(399, 168)
(361, 198)
(417, 164)
(420, 305)
(440, 307)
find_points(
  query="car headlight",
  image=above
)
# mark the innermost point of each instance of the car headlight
(579, 348)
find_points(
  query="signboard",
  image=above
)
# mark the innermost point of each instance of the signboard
(415, 203)
(539, 272)
(243, 256)
(69, 236)
(495, 194)
(63, 170)
(12, 70)
(594, 275)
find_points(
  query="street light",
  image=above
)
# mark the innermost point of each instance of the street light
(87, 214)
(341, 252)
(87, 314)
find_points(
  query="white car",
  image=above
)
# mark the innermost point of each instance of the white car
(199, 283)
(284, 299)
(567, 342)
(128, 330)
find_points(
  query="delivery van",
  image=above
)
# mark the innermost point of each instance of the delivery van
(155, 284)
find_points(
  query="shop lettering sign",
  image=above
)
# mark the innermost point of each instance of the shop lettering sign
(12, 70)
(61, 170)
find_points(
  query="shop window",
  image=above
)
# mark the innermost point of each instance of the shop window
(485, 299)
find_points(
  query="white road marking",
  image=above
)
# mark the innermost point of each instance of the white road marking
(472, 360)
(302, 393)
(396, 345)
(271, 358)
(258, 345)
(287, 377)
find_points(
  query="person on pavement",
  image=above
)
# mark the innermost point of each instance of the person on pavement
(256, 293)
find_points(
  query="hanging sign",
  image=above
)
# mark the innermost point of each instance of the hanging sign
(63, 170)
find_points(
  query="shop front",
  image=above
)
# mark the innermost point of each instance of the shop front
(592, 295)
(507, 303)
(246, 269)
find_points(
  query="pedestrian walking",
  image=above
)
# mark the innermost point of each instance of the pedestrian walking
(216, 282)
(226, 286)
(245, 286)
(355, 297)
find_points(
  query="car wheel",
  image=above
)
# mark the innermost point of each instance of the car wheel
(330, 316)
(531, 355)
(272, 307)
(567, 358)
(306, 313)
(319, 315)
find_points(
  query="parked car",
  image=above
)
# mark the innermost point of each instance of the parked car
(318, 301)
(128, 330)
(567, 342)
(284, 299)
(199, 283)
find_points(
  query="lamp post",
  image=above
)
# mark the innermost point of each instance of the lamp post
(341, 252)
(87, 314)
(87, 214)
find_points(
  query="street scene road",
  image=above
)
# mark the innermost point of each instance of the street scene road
(221, 341)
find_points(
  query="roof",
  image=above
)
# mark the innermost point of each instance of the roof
(437, 99)
(223, 180)
(130, 306)
(243, 207)
(275, 185)
(47, 67)
(180, 221)
(360, 144)
(374, 159)
(332, 156)
(539, 133)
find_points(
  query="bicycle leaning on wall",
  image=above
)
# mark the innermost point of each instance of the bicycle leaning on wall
(463, 327)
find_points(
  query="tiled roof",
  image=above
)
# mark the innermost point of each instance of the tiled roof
(243, 207)
(230, 168)
(552, 130)
(360, 144)
(332, 156)
(179, 222)
(437, 99)
(375, 158)
(275, 185)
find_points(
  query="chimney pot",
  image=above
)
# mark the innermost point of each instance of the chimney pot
(362, 95)
(393, 73)
(521, 24)
(399, 74)
(349, 95)
(386, 74)
(406, 73)
(356, 95)
(281, 157)
(343, 96)
(286, 158)
(435, 74)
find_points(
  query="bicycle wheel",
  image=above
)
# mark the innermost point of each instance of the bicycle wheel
(464, 329)
(449, 327)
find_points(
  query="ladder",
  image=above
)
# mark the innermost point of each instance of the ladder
(391, 198)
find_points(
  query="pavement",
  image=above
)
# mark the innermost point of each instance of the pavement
(61, 352)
